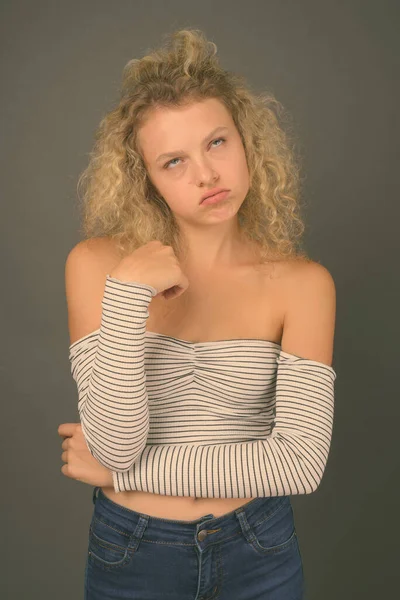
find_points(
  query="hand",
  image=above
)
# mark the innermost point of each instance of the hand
(154, 264)
(80, 463)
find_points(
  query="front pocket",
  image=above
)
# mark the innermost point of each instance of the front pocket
(275, 533)
(108, 545)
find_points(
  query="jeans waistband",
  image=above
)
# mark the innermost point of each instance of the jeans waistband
(252, 512)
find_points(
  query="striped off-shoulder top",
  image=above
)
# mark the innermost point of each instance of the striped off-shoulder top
(234, 418)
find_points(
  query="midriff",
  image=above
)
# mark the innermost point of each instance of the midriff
(244, 302)
(173, 507)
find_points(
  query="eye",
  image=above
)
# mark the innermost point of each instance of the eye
(173, 159)
(169, 162)
(218, 139)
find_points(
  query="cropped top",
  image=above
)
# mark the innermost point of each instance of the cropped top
(232, 418)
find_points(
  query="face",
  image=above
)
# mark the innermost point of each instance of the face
(190, 150)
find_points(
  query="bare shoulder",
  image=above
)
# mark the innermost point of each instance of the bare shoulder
(310, 310)
(100, 252)
(86, 268)
(305, 271)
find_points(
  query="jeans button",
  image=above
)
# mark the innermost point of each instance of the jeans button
(202, 535)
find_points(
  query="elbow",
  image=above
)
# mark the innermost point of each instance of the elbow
(122, 464)
(313, 481)
(128, 466)
(119, 460)
(119, 469)
(118, 466)
(310, 488)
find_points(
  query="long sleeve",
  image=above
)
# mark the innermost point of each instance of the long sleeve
(291, 460)
(113, 409)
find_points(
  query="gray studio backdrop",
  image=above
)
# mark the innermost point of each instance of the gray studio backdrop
(335, 66)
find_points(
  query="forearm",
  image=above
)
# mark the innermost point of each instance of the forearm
(108, 367)
(290, 461)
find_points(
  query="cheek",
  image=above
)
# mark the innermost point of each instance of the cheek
(164, 185)
(174, 192)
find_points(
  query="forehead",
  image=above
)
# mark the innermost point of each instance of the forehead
(181, 125)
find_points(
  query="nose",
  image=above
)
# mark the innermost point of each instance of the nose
(204, 172)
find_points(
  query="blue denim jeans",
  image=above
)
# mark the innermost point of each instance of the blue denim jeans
(247, 554)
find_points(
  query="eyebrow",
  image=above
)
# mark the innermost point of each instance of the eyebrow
(173, 154)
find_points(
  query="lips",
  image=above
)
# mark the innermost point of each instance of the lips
(212, 193)
(216, 198)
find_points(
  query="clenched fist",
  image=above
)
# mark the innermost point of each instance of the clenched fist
(80, 463)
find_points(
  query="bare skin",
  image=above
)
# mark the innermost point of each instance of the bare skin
(244, 302)
(229, 294)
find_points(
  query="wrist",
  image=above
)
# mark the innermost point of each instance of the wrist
(125, 277)
(133, 280)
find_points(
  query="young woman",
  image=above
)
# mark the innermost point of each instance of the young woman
(201, 340)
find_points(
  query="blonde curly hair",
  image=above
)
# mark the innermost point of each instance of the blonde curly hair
(120, 201)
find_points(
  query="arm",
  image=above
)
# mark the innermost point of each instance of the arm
(290, 461)
(293, 458)
(114, 410)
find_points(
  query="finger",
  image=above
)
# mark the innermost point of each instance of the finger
(66, 429)
(65, 471)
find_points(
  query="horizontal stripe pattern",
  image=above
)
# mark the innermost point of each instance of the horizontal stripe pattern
(109, 371)
(227, 419)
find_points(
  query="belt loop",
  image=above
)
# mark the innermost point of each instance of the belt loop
(94, 497)
(244, 524)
